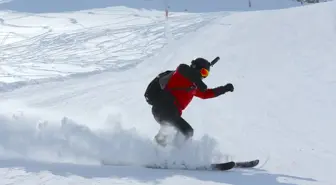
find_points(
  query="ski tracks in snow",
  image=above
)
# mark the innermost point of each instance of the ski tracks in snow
(83, 48)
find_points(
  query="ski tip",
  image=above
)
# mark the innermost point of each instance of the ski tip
(255, 162)
(247, 164)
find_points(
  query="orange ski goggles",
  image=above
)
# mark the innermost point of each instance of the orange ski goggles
(204, 72)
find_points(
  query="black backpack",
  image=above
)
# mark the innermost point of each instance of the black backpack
(155, 90)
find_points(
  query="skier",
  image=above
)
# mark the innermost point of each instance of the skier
(171, 92)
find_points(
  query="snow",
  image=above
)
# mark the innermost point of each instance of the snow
(72, 87)
(174, 5)
(54, 45)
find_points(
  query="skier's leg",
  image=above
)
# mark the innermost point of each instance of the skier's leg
(160, 117)
(168, 115)
(156, 114)
(184, 127)
(184, 131)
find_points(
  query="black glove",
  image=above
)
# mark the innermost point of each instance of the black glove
(223, 89)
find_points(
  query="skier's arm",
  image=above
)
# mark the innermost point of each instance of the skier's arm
(212, 93)
(192, 75)
(209, 93)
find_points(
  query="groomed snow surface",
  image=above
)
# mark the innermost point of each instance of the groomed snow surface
(72, 86)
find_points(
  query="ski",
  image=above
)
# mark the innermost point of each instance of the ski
(223, 166)
(247, 164)
(232, 164)
(212, 167)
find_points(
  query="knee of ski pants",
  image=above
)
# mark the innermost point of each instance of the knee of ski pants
(164, 114)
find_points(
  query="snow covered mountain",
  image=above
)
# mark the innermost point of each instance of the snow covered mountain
(73, 83)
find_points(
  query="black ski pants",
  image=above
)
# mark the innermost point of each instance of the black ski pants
(168, 112)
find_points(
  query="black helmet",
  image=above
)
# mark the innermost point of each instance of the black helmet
(200, 63)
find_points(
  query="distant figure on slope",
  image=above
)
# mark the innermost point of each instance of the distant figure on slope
(171, 92)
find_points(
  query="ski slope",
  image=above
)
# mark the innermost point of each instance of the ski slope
(29, 6)
(72, 89)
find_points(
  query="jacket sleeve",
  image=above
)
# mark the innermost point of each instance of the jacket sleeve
(192, 75)
(209, 93)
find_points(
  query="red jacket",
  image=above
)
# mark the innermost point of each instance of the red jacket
(184, 84)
